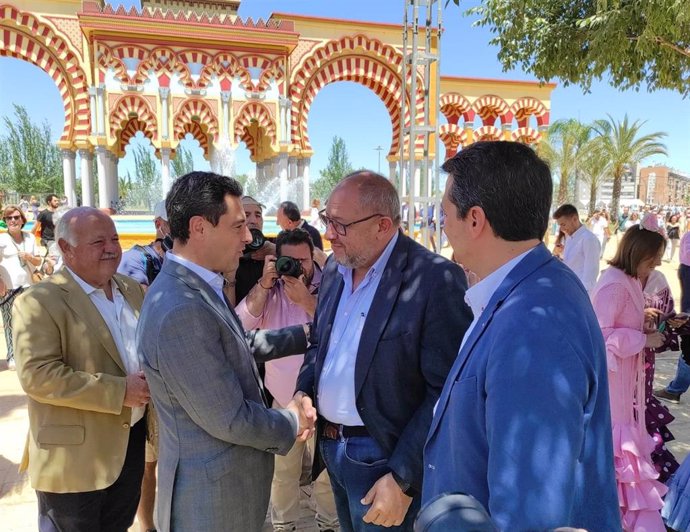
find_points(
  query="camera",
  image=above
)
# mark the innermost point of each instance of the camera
(288, 266)
(258, 241)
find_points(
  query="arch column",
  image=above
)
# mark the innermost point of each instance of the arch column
(392, 167)
(69, 176)
(165, 171)
(86, 178)
(111, 180)
(283, 176)
(303, 173)
(224, 125)
(102, 165)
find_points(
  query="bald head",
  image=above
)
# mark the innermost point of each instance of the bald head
(70, 223)
(375, 193)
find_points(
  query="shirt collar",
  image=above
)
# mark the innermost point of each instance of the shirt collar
(578, 232)
(86, 287)
(478, 296)
(378, 266)
(213, 279)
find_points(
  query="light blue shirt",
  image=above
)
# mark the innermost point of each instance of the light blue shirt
(336, 393)
(213, 279)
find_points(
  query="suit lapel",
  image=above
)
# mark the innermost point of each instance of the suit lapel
(380, 310)
(532, 261)
(82, 306)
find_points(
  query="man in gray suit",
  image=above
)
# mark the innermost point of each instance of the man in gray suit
(217, 435)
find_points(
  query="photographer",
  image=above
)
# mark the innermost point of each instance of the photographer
(238, 283)
(286, 295)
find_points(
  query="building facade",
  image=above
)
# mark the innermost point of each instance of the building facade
(661, 185)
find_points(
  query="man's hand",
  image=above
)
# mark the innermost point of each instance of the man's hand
(302, 405)
(298, 293)
(389, 504)
(270, 274)
(269, 248)
(136, 391)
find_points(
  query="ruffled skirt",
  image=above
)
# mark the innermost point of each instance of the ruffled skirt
(676, 510)
(639, 492)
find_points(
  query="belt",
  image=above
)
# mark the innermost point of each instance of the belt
(333, 431)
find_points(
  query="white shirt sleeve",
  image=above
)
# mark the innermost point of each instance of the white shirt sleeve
(591, 249)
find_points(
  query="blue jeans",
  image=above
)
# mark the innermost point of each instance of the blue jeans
(354, 465)
(681, 382)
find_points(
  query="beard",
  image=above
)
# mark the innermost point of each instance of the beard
(351, 261)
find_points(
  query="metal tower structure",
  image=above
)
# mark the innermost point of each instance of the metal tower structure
(418, 180)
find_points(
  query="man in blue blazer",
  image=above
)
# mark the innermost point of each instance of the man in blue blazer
(388, 324)
(523, 421)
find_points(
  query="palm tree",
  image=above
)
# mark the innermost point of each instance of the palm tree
(622, 144)
(594, 169)
(563, 150)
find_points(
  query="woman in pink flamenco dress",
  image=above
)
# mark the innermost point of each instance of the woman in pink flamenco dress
(619, 305)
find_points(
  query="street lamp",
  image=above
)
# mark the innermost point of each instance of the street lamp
(378, 149)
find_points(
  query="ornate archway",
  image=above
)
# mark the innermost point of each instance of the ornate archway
(254, 113)
(196, 117)
(25, 37)
(129, 115)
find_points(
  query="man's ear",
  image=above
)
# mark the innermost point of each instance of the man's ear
(478, 220)
(65, 247)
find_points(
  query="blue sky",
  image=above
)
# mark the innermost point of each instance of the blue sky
(358, 116)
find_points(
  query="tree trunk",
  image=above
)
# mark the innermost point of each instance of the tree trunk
(563, 187)
(592, 197)
(616, 194)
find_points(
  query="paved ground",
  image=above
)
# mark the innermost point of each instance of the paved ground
(18, 501)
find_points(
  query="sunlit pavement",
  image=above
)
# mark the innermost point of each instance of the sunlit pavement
(18, 501)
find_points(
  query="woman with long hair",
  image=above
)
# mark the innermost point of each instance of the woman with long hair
(18, 260)
(620, 308)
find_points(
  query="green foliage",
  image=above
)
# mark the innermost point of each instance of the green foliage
(182, 163)
(563, 149)
(30, 162)
(594, 169)
(146, 188)
(632, 42)
(339, 166)
(622, 144)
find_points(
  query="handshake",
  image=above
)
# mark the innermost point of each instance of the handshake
(302, 406)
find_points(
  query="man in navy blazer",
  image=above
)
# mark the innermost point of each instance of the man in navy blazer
(523, 421)
(388, 324)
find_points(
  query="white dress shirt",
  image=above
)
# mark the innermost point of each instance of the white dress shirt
(122, 323)
(336, 393)
(581, 254)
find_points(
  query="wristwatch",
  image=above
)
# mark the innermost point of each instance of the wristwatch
(405, 486)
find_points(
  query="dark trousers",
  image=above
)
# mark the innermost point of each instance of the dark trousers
(108, 510)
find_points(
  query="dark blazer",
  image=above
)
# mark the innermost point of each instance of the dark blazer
(314, 234)
(409, 342)
(523, 423)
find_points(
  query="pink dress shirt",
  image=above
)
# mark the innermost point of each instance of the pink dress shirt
(279, 312)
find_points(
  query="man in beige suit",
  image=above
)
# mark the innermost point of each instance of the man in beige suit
(77, 361)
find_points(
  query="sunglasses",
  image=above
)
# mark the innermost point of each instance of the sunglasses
(16, 217)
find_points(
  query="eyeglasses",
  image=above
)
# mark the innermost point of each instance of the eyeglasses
(15, 217)
(340, 227)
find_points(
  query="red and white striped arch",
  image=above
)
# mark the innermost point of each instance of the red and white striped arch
(488, 133)
(489, 107)
(226, 66)
(453, 136)
(129, 115)
(275, 71)
(527, 106)
(526, 135)
(25, 37)
(163, 61)
(454, 105)
(356, 58)
(196, 111)
(254, 112)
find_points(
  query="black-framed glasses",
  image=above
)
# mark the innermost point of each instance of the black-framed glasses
(14, 217)
(340, 227)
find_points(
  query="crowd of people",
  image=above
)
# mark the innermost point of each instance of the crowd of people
(216, 371)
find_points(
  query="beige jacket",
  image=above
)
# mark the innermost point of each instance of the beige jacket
(69, 366)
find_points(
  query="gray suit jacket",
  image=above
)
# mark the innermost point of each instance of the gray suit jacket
(216, 435)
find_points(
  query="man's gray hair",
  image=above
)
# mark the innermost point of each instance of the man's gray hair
(376, 194)
(63, 228)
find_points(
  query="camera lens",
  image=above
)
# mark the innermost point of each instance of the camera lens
(258, 240)
(288, 266)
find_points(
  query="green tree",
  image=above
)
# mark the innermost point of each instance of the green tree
(633, 42)
(594, 169)
(182, 163)
(339, 166)
(147, 186)
(30, 162)
(563, 149)
(622, 145)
